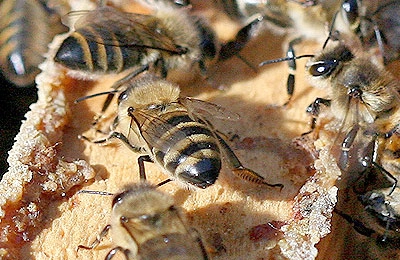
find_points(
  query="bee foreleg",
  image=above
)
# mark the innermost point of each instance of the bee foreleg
(346, 144)
(98, 239)
(314, 109)
(238, 169)
(117, 135)
(124, 139)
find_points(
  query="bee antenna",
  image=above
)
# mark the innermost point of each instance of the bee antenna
(96, 192)
(332, 35)
(97, 94)
(285, 59)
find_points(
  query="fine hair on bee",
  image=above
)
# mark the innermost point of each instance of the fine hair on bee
(107, 40)
(26, 29)
(363, 97)
(175, 133)
(145, 223)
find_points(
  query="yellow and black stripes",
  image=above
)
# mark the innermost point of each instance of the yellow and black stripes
(26, 28)
(187, 149)
(93, 49)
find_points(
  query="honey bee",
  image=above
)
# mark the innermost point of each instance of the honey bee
(26, 28)
(107, 40)
(362, 95)
(376, 23)
(146, 224)
(364, 99)
(174, 132)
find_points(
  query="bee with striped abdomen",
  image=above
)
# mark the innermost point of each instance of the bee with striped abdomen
(174, 132)
(26, 28)
(146, 224)
(107, 40)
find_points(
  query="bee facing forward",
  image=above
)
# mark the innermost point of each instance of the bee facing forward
(26, 28)
(146, 224)
(153, 119)
(107, 40)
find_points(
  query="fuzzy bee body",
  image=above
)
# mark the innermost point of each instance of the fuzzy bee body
(185, 148)
(175, 133)
(107, 40)
(26, 28)
(364, 99)
(146, 224)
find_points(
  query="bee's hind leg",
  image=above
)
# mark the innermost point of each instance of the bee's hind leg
(239, 170)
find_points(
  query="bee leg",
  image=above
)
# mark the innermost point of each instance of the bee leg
(117, 135)
(314, 109)
(141, 160)
(292, 69)
(98, 239)
(142, 172)
(387, 173)
(115, 250)
(234, 47)
(346, 145)
(198, 239)
(163, 182)
(373, 161)
(358, 225)
(237, 167)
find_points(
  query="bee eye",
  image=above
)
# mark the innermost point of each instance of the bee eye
(323, 68)
(350, 9)
(123, 96)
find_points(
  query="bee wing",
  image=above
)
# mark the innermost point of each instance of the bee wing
(124, 29)
(71, 18)
(199, 109)
(163, 135)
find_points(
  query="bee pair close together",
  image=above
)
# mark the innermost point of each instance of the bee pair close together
(176, 132)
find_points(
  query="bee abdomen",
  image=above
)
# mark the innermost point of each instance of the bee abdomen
(193, 156)
(86, 50)
(26, 28)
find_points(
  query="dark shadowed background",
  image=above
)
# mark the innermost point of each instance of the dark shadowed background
(14, 103)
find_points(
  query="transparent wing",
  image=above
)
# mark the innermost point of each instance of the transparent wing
(124, 29)
(71, 18)
(199, 108)
(164, 136)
